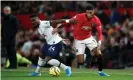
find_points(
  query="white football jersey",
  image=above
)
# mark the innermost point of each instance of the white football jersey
(45, 30)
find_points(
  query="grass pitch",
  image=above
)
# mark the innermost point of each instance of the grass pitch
(77, 74)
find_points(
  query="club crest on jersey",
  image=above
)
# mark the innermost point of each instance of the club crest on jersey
(85, 28)
(92, 24)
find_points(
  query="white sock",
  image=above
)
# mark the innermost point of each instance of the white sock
(41, 62)
(55, 62)
(38, 69)
(99, 71)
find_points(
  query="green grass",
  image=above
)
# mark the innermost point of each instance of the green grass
(78, 74)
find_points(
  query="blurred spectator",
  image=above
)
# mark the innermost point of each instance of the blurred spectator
(130, 41)
(115, 16)
(82, 5)
(103, 4)
(27, 46)
(125, 26)
(125, 16)
(103, 17)
(114, 48)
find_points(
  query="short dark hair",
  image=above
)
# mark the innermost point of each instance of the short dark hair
(33, 15)
(90, 7)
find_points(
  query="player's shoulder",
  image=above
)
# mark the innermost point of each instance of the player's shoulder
(44, 23)
(96, 18)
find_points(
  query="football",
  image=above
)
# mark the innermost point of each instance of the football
(54, 71)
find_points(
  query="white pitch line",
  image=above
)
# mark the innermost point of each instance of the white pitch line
(72, 72)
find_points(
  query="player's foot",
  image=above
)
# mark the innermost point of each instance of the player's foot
(68, 71)
(101, 73)
(34, 74)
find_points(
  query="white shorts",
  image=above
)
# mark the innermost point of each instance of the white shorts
(80, 45)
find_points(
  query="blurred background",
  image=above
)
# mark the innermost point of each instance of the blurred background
(117, 28)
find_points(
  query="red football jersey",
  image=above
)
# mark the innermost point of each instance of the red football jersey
(83, 28)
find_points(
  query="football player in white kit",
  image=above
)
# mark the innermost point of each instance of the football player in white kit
(51, 49)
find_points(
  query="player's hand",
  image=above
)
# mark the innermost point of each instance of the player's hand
(99, 44)
(54, 30)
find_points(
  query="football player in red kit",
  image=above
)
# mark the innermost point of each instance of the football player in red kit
(83, 25)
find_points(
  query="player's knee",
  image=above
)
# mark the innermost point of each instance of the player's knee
(96, 51)
(47, 59)
(93, 50)
(99, 57)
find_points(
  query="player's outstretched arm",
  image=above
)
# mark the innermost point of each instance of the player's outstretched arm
(59, 23)
(69, 21)
(56, 29)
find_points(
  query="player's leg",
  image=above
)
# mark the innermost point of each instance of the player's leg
(55, 62)
(80, 59)
(53, 52)
(80, 48)
(95, 51)
(41, 61)
(99, 57)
